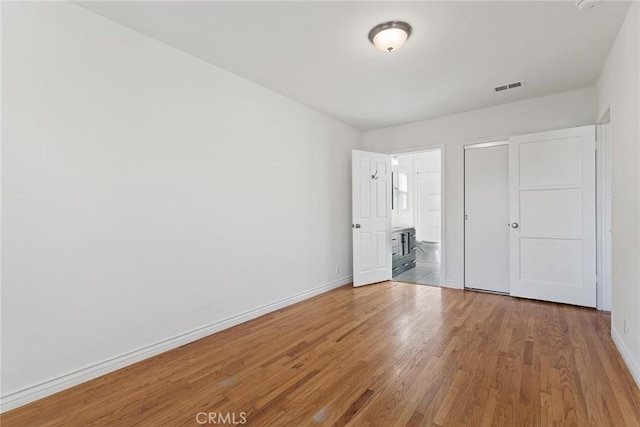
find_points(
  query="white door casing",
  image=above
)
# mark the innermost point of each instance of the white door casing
(552, 212)
(371, 226)
(486, 207)
(603, 214)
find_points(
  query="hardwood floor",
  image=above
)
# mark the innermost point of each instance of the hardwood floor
(391, 354)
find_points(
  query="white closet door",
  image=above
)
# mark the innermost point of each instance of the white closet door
(486, 232)
(552, 204)
(371, 179)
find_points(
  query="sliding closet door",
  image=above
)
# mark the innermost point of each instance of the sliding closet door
(486, 232)
(553, 209)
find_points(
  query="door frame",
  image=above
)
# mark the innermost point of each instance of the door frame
(443, 216)
(471, 146)
(604, 194)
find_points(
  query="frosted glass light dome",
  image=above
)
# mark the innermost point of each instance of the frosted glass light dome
(390, 36)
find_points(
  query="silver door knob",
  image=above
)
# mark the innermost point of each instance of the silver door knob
(514, 225)
(356, 225)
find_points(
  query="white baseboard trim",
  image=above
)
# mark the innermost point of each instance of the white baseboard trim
(626, 355)
(453, 285)
(49, 387)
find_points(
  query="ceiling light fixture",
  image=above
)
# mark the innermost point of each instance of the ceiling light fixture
(390, 36)
(586, 4)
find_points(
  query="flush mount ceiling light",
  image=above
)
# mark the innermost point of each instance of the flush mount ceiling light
(389, 36)
(586, 4)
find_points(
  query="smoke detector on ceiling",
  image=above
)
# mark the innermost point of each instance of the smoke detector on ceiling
(508, 86)
(586, 4)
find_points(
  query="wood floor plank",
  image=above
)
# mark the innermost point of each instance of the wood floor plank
(391, 354)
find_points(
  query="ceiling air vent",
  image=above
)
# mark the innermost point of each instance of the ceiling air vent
(508, 86)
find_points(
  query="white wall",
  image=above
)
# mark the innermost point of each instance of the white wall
(428, 196)
(146, 194)
(404, 218)
(619, 89)
(559, 111)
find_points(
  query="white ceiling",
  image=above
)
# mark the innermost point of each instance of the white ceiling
(318, 52)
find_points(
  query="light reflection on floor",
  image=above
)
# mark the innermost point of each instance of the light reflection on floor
(426, 300)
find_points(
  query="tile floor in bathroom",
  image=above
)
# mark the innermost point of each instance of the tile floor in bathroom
(424, 273)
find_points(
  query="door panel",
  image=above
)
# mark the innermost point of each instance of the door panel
(382, 251)
(486, 218)
(552, 200)
(364, 198)
(551, 261)
(551, 212)
(550, 162)
(371, 217)
(383, 186)
(365, 252)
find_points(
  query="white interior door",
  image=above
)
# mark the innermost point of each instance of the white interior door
(371, 177)
(486, 230)
(552, 206)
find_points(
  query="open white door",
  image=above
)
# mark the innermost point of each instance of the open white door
(371, 224)
(552, 210)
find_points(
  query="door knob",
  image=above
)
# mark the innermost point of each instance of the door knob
(356, 225)
(514, 225)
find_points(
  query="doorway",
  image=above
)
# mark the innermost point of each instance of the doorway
(417, 212)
